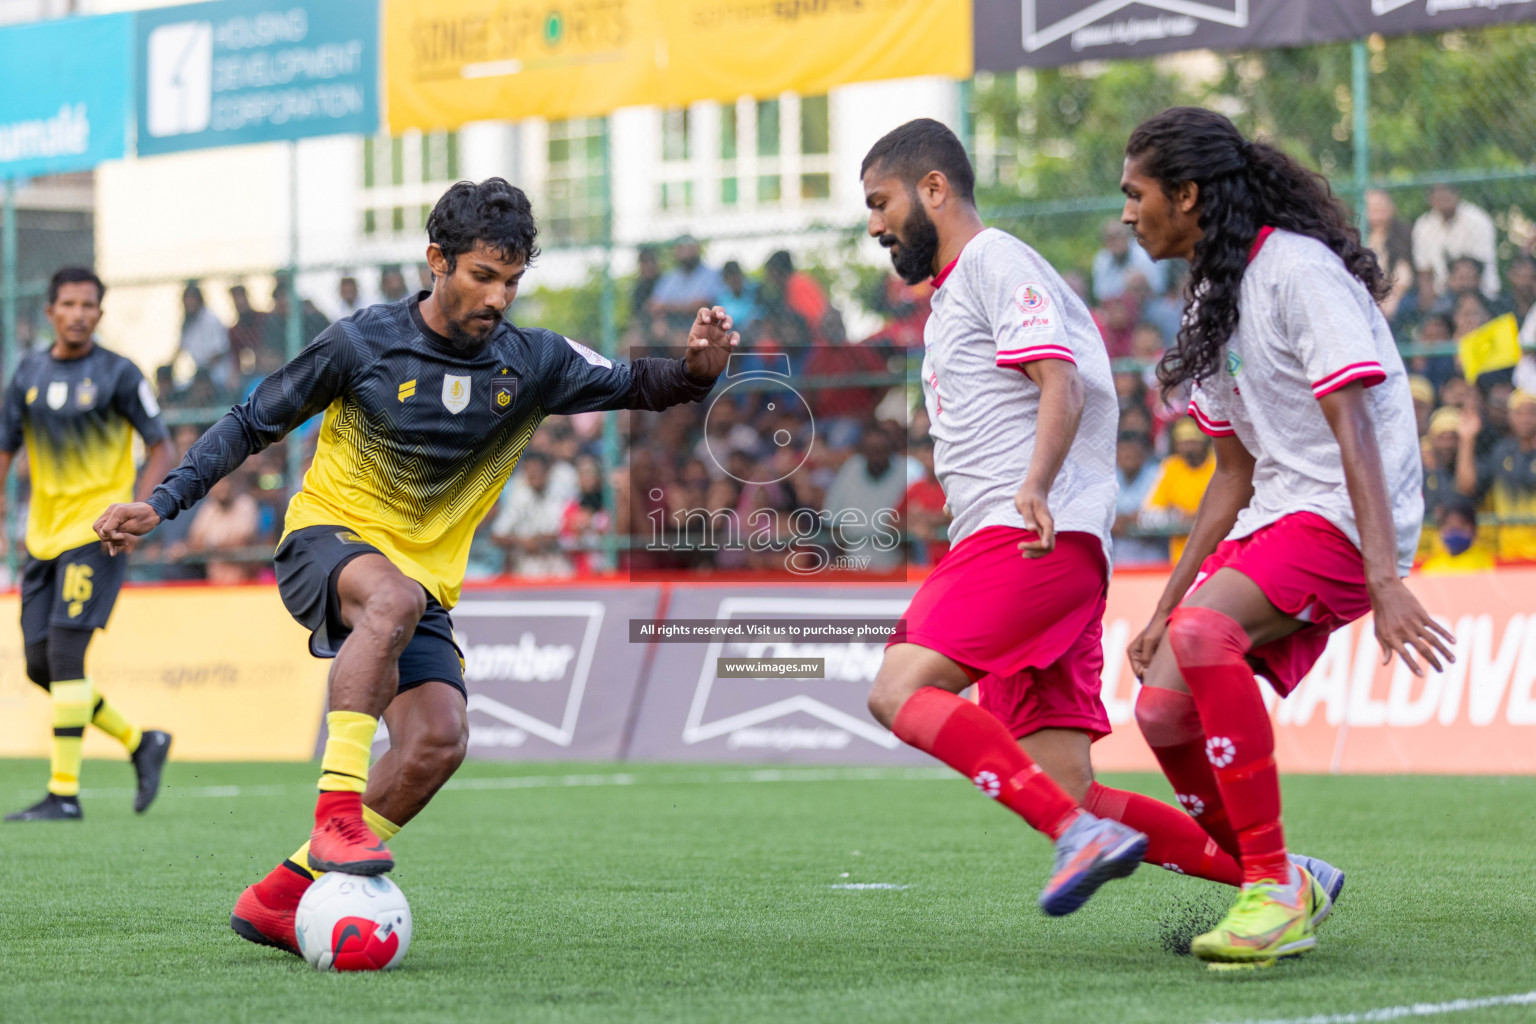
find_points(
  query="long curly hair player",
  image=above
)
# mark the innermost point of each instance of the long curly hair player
(1243, 186)
(1313, 514)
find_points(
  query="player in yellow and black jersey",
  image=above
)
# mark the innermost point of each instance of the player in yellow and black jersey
(76, 406)
(428, 404)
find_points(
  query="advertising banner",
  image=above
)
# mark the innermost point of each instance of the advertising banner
(1045, 33)
(224, 669)
(241, 71)
(697, 708)
(64, 88)
(1351, 713)
(550, 672)
(452, 61)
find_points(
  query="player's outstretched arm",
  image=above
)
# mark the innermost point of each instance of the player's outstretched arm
(1402, 624)
(1061, 410)
(1228, 493)
(710, 342)
(121, 526)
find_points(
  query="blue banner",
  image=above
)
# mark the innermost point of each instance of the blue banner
(242, 71)
(64, 88)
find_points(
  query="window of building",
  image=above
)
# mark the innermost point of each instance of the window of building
(403, 176)
(573, 186)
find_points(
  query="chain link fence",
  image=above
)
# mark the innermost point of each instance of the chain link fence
(768, 190)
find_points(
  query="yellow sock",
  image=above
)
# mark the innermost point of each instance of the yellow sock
(348, 743)
(71, 713)
(111, 721)
(382, 827)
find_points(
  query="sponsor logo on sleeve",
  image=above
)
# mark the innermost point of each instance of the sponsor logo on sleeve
(147, 398)
(589, 355)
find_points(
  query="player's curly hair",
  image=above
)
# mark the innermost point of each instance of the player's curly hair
(494, 211)
(1243, 186)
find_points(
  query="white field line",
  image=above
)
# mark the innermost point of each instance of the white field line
(1411, 1010)
(868, 885)
(561, 781)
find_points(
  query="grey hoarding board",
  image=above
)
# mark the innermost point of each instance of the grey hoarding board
(689, 714)
(1045, 33)
(551, 672)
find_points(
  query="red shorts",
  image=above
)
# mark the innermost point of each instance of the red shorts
(1310, 571)
(1034, 626)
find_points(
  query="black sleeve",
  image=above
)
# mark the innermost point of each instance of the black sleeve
(12, 416)
(282, 401)
(577, 379)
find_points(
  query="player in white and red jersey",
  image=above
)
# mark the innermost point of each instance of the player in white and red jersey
(1024, 420)
(1312, 517)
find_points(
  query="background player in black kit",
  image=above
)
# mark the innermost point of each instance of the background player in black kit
(428, 404)
(76, 406)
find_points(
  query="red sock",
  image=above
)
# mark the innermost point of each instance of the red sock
(1211, 651)
(337, 804)
(1174, 841)
(1171, 724)
(284, 885)
(975, 744)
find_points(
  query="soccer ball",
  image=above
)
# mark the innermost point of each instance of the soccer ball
(353, 923)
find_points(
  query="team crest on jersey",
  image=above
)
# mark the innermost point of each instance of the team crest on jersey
(503, 395)
(85, 394)
(455, 393)
(58, 394)
(1234, 363)
(1030, 298)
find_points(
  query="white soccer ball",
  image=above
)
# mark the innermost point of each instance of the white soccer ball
(353, 923)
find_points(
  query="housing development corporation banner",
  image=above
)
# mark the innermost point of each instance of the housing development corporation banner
(753, 674)
(1044, 33)
(452, 61)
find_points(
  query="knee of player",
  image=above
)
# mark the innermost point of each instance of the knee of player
(1166, 718)
(37, 664)
(1204, 636)
(394, 610)
(437, 753)
(885, 701)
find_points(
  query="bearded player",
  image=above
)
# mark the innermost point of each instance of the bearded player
(429, 402)
(1024, 421)
(76, 407)
(1314, 512)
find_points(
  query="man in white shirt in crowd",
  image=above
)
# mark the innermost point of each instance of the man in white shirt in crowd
(1452, 227)
(528, 520)
(1118, 259)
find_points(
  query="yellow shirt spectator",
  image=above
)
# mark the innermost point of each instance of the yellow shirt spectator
(1180, 484)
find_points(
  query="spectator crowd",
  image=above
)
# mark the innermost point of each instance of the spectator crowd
(850, 438)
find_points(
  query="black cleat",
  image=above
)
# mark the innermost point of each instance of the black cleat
(148, 762)
(50, 808)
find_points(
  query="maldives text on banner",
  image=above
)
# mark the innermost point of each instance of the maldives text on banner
(64, 88)
(239, 71)
(452, 61)
(225, 669)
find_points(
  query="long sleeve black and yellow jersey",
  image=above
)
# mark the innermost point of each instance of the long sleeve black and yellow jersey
(76, 417)
(418, 439)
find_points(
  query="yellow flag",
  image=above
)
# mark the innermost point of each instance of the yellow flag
(1493, 346)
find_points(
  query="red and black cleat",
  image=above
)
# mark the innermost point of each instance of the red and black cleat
(264, 912)
(342, 841)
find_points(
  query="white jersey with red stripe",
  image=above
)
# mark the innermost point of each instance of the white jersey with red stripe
(1307, 328)
(999, 306)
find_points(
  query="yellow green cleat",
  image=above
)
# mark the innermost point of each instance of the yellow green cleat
(1263, 924)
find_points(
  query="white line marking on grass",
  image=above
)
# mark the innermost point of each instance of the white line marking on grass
(1411, 1010)
(759, 775)
(868, 885)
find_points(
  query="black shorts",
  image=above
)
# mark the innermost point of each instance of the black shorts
(308, 563)
(76, 590)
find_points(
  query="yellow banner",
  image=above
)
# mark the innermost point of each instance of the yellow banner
(226, 670)
(452, 61)
(1493, 346)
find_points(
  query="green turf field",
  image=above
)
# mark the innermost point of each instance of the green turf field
(707, 895)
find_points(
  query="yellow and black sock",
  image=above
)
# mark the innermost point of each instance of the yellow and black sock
(71, 714)
(109, 720)
(382, 827)
(348, 746)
